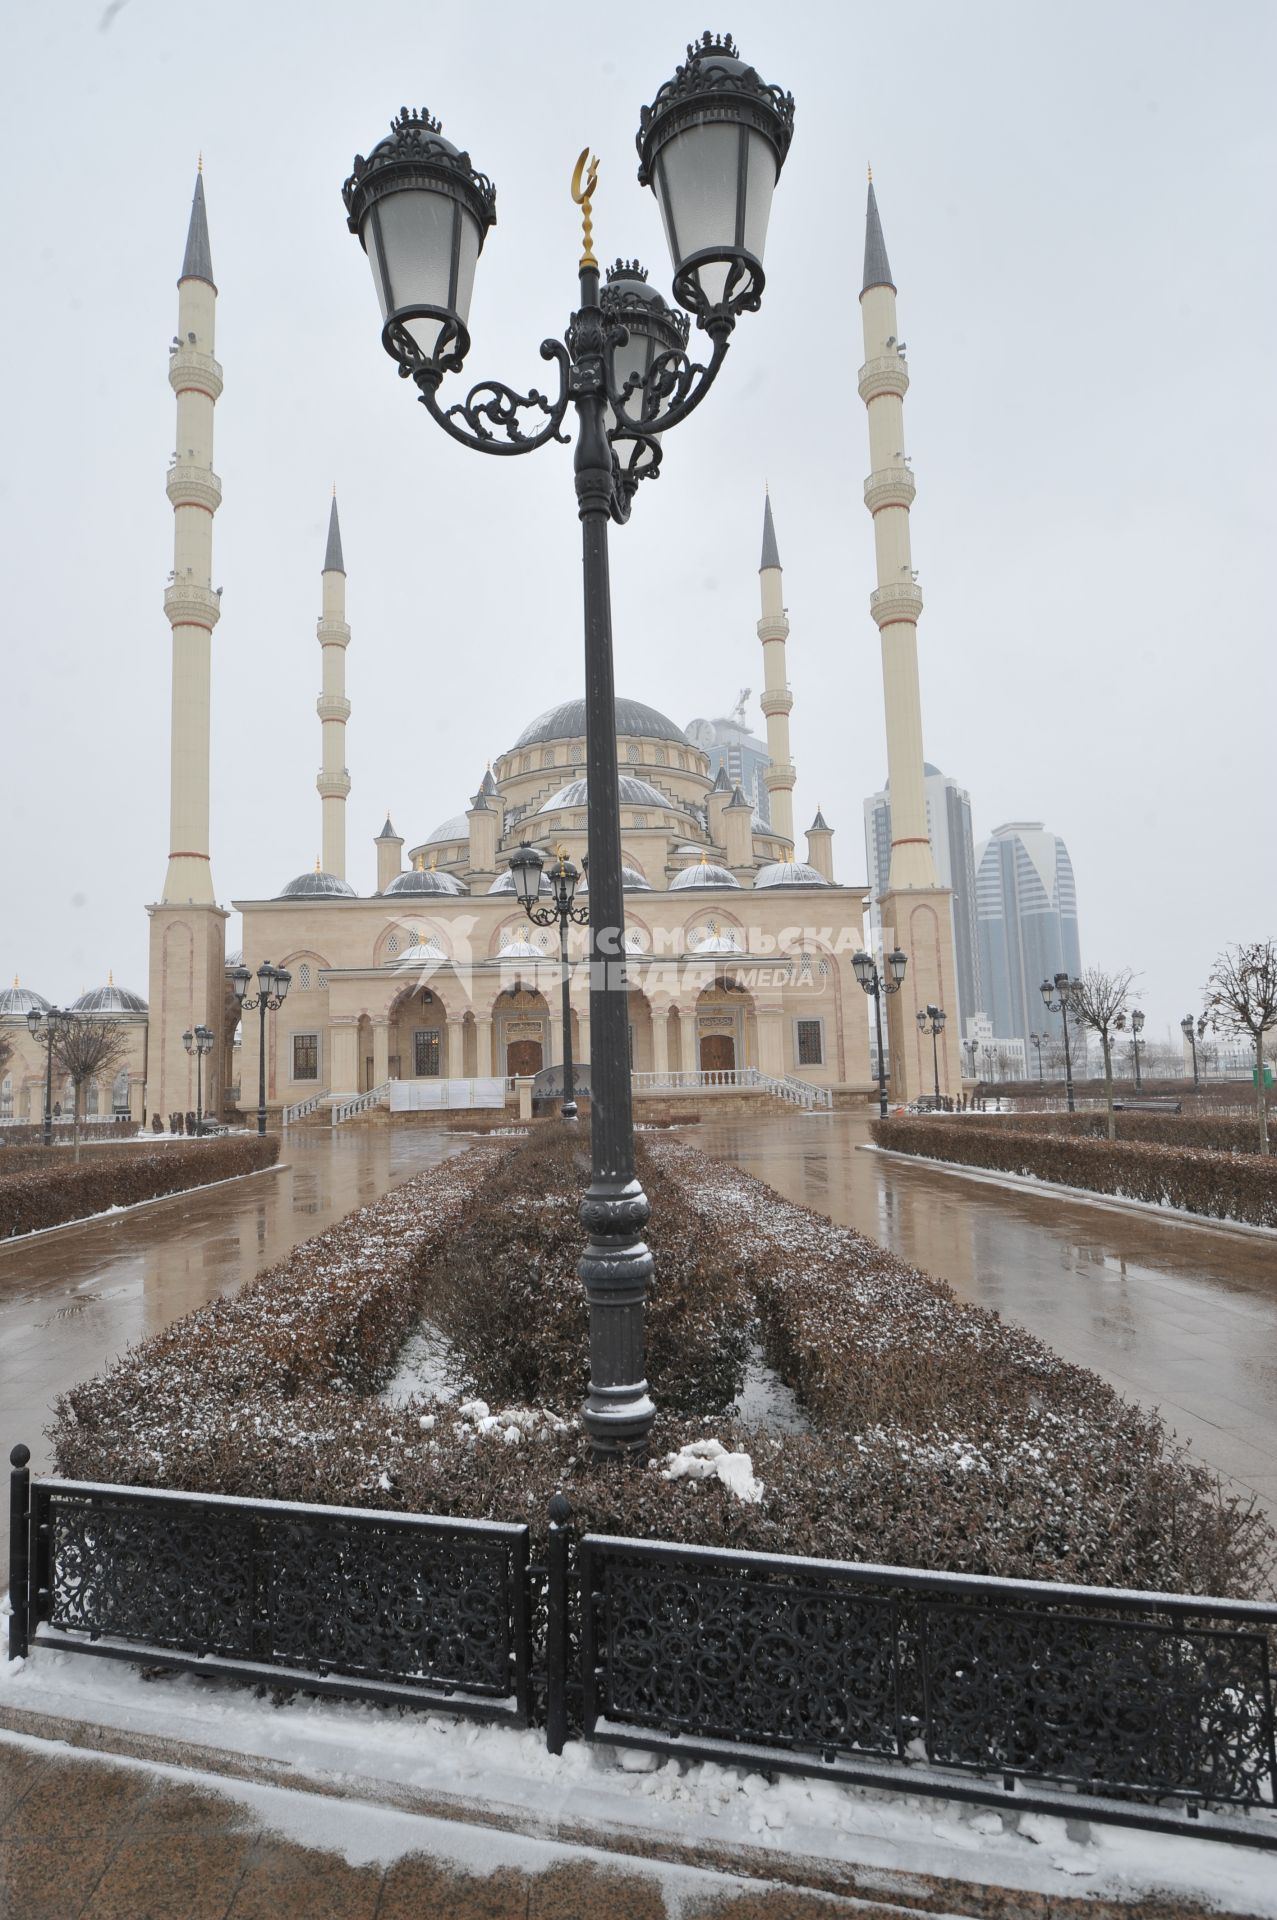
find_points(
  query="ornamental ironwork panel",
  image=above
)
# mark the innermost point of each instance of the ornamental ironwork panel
(409, 1601)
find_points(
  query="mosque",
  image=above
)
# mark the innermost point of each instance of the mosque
(435, 989)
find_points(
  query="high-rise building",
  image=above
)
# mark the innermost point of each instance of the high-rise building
(1026, 911)
(953, 849)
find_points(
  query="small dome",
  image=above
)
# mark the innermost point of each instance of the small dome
(504, 883)
(704, 874)
(424, 880)
(632, 792)
(717, 940)
(16, 1002)
(458, 828)
(632, 881)
(520, 949)
(789, 873)
(567, 722)
(317, 886)
(109, 999)
(425, 952)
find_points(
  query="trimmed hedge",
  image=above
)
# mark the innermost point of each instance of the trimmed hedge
(1009, 1462)
(55, 1191)
(1222, 1186)
(1219, 1133)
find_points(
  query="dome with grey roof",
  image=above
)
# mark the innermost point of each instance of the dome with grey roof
(109, 999)
(504, 883)
(16, 1002)
(317, 886)
(458, 828)
(788, 873)
(424, 880)
(705, 873)
(567, 722)
(424, 952)
(632, 792)
(632, 881)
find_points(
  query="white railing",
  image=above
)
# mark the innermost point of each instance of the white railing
(799, 1093)
(344, 1110)
(300, 1108)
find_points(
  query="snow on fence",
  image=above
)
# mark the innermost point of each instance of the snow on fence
(1084, 1702)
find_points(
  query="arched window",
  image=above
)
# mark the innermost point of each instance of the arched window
(547, 757)
(578, 755)
(120, 1091)
(6, 1096)
(631, 753)
(525, 763)
(392, 945)
(662, 758)
(303, 975)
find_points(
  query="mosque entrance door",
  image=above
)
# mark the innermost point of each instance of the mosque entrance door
(718, 1053)
(523, 1057)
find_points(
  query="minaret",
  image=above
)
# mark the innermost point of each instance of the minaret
(820, 846)
(389, 846)
(332, 706)
(776, 699)
(192, 606)
(188, 928)
(916, 910)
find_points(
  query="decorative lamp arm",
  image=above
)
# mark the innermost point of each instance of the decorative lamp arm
(491, 408)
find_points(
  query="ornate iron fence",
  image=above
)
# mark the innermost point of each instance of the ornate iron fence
(397, 1607)
(949, 1684)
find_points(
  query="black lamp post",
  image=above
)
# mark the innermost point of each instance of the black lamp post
(932, 1022)
(199, 1041)
(1039, 1040)
(876, 982)
(44, 1025)
(969, 1047)
(1189, 1032)
(272, 990)
(527, 865)
(1064, 989)
(1137, 1028)
(711, 146)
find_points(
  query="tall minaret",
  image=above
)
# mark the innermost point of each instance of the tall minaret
(776, 699)
(917, 912)
(188, 928)
(332, 706)
(192, 606)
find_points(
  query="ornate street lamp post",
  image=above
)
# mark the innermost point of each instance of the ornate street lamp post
(969, 1048)
(875, 983)
(932, 1022)
(711, 146)
(1039, 1040)
(526, 865)
(199, 1041)
(272, 990)
(1063, 988)
(44, 1025)
(1189, 1032)
(1137, 1028)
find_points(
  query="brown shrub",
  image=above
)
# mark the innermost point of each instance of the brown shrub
(1220, 1132)
(54, 1192)
(1221, 1185)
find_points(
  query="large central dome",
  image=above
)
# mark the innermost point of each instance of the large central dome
(567, 722)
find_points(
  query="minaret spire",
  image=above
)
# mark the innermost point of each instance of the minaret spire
(877, 266)
(332, 706)
(192, 607)
(776, 699)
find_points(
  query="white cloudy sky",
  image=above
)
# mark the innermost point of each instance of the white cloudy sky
(1077, 203)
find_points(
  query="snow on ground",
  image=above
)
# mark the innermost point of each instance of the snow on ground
(692, 1802)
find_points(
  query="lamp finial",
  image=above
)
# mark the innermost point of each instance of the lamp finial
(585, 178)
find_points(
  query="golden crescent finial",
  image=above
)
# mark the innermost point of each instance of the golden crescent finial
(585, 178)
(871, 176)
(199, 164)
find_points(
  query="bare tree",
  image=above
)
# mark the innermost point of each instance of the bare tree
(88, 1049)
(1099, 1001)
(6, 1051)
(1241, 997)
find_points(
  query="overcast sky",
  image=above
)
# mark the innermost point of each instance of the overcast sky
(1077, 203)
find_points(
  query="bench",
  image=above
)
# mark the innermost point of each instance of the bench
(1151, 1105)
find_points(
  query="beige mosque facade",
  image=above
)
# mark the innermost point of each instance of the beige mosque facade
(431, 988)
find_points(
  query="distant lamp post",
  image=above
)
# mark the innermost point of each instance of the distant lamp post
(876, 982)
(932, 1022)
(44, 1026)
(527, 867)
(1063, 989)
(272, 990)
(1038, 1041)
(1137, 1028)
(969, 1048)
(1189, 1031)
(198, 1041)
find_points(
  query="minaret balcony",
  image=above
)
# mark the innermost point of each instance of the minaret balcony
(889, 487)
(776, 700)
(190, 606)
(333, 706)
(885, 373)
(189, 486)
(773, 626)
(779, 775)
(901, 601)
(332, 633)
(189, 370)
(333, 785)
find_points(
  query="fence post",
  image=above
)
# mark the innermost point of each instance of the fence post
(19, 1550)
(557, 1634)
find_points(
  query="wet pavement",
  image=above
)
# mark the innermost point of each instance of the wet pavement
(1176, 1316)
(71, 1301)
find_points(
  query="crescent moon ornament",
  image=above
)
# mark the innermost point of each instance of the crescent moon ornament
(585, 178)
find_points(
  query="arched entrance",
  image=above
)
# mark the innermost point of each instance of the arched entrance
(418, 1039)
(722, 1011)
(718, 1053)
(523, 1031)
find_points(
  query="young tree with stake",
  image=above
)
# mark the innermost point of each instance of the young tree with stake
(1099, 1001)
(1241, 997)
(88, 1049)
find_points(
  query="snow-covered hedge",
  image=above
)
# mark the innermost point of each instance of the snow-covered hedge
(1225, 1186)
(57, 1191)
(943, 1437)
(1214, 1132)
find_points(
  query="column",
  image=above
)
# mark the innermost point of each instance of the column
(380, 1052)
(343, 1057)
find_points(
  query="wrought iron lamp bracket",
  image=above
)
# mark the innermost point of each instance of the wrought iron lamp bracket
(491, 408)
